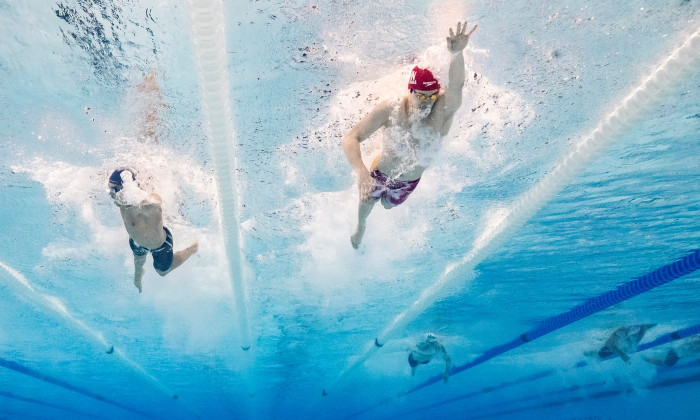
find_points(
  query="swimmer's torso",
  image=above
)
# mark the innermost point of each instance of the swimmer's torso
(425, 351)
(626, 339)
(144, 223)
(409, 144)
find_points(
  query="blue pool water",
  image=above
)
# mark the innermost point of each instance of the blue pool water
(77, 340)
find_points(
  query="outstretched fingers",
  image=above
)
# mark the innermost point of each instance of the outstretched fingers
(462, 29)
(458, 40)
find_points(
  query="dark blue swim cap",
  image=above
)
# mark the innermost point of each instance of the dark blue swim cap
(116, 177)
(604, 352)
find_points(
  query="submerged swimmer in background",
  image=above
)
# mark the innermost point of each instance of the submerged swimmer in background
(413, 124)
(146, 105)
(424, 352)
(143, 220)
(624, 340)
(691, 348)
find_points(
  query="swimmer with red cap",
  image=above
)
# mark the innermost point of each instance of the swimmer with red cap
(413, 124)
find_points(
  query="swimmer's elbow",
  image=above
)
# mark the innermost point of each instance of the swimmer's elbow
(350, 140)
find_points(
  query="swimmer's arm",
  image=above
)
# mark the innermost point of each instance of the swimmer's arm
(376, 119)
(448, 364)
(625, 358)
(153, 200)
(456, 43)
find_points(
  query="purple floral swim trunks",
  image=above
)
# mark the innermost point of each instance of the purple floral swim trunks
(395, 191)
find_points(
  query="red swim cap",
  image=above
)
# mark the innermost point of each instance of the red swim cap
(422, 79)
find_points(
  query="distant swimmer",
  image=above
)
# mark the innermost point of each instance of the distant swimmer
(413, 128)
(425, 351)
(143, 220)
(690, 348)
(623, 341)
(146, 106)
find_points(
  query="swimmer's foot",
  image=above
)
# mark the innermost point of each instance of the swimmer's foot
(186, 253)
(194, 247)
(356, 237)
(137, 283)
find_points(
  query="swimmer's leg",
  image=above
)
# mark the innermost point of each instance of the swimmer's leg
(387, 205)
(642, 330)
(180, 257)
(363, 211)
(139, 261)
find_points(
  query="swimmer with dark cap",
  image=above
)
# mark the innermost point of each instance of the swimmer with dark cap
(425, 351)
(143, 220)
(415, 125)
(621, 342)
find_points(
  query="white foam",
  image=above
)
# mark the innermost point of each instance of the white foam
(400, 232)
(130, 194)
(332, 268)
(80, 198)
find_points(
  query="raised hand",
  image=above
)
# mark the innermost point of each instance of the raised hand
(456, 42)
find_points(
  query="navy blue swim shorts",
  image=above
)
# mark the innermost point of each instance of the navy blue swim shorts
(162, 256)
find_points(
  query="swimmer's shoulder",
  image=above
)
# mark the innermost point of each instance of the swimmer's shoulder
(391, 103)
(153, 200)
(380, 114)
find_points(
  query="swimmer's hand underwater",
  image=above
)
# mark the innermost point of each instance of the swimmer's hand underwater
(457, 42)
(365, 185)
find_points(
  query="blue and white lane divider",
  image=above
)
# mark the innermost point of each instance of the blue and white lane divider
(667, 338)
(596, 390)
(681, 64)
(9, 364)
(656, 278)
(56, 310)
(209, 38)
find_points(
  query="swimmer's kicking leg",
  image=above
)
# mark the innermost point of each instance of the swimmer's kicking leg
(363, 211)
(139, 261)
(180, 257)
